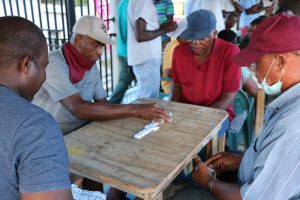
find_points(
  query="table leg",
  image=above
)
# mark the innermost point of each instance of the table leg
(212, 147)
(191, 166)
(158, 197)
(209, 149)
(215, 142)
(221, 145)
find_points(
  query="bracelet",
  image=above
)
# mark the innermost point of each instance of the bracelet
(211, 182)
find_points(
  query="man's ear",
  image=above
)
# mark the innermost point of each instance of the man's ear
(281, 61)
(77, 40)
(24, 64)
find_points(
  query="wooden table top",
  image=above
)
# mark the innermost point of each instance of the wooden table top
(107, 152)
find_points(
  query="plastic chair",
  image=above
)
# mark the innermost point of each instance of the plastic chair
(162, 94)
(242, 102)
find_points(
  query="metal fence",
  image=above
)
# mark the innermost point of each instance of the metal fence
(57, 17)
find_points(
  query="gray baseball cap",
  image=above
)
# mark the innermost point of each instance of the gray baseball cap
(200, 24)
(93, 27)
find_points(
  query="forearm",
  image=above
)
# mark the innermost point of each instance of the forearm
(226, 191)
(238, 7)
(175, 97)
(103, 111)
(221, 103)
(224, 101)
(100, 110)
(254, 10)
(143, 35)
(149, 35)
(176, 92)
(55, 194)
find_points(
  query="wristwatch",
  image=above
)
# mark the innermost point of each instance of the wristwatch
(213, 178)
(211, 182)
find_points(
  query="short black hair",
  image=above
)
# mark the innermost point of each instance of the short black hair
(18, 37)
(227, 35)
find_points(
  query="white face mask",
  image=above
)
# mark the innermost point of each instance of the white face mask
(275, 88)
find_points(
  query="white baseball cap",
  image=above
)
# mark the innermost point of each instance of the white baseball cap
(93, 27)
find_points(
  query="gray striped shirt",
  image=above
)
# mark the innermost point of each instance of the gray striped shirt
(270, 168)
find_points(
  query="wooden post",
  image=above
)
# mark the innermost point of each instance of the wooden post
(260, 110)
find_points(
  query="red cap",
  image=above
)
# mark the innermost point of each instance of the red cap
(277, 34)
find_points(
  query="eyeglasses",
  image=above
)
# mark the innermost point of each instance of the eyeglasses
(201, 40)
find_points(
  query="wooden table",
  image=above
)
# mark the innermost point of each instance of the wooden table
(107, 152)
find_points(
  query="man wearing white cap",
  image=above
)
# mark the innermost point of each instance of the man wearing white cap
(73, 91)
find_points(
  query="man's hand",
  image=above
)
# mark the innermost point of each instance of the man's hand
(143, 35)
(152, 111)
(269, 9)
(255, 8)
(201, 173)
(168, 27)
(225, 161)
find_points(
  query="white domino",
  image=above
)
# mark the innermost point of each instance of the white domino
(152, 124)
(145, 131)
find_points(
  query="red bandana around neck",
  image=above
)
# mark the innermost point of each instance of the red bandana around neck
(78, 64)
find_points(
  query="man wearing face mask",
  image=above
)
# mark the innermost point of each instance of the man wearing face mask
(270, 168)
(203, 70)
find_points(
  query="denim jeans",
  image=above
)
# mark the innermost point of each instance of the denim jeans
(125, 78)
(148, 78)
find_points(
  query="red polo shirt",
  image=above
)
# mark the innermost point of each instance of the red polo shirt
(204, 84)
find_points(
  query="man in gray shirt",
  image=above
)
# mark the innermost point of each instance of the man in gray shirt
(34, 160)
(73, 91)
(270, 168)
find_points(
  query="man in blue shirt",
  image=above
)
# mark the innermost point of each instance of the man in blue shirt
(34, 160)
(270, 168)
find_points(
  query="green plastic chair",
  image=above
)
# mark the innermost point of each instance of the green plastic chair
(242, 102)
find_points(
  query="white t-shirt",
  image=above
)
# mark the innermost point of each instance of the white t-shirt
(191, 6)
(227, 6)
(245, 19)
(140, 52)
(213, 6)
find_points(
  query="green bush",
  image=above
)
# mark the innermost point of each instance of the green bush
(77, 2)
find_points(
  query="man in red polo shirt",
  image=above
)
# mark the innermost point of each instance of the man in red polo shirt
(203, 70)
